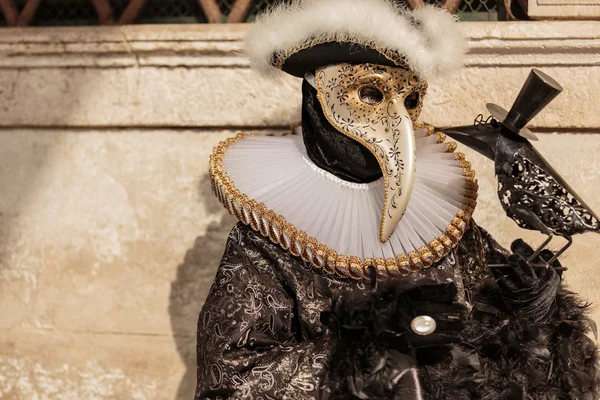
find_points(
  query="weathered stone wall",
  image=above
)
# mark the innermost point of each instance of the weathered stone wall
(109, 234)
(564, 9)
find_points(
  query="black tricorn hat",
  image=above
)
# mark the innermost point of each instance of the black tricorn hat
(537, 92)
(303, 61)
(303, 35)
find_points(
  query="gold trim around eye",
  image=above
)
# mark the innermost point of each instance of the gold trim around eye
(418, 101)
(274, 226)
(360, 89)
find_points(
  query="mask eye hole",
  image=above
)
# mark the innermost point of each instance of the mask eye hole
(411, 101)
(370, 95)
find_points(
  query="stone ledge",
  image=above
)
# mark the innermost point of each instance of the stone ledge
(217, 45)
(195, 76)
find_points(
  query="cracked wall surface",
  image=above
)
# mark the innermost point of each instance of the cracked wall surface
(109, 233)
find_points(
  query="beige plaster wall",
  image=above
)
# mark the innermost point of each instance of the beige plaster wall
(109, 234)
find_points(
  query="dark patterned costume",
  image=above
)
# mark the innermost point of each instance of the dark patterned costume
(260, 334)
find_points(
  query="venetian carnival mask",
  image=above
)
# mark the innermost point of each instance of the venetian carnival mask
(377, 105)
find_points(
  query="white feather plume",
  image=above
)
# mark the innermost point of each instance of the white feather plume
(432, 47)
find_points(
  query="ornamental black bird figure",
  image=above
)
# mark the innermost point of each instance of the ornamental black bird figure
(531, 192)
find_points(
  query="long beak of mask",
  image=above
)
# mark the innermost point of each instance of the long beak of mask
(376, 106)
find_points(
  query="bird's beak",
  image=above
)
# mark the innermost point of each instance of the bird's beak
(385, 129)
(481, 138)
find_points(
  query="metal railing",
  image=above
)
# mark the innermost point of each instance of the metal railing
(106, 12)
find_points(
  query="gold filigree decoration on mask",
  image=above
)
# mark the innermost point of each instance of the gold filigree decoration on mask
(341, 84)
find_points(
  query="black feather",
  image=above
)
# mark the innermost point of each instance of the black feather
(501, 354)
(550, 359)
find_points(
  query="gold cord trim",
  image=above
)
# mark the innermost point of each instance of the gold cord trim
(297, 242)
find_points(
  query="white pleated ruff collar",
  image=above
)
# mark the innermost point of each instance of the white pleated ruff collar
(269, 183)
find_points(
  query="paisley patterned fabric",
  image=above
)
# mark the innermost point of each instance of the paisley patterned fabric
(259, 333)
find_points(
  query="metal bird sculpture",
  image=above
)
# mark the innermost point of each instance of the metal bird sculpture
(531, 192)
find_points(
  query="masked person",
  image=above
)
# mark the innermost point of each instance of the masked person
(356, 270)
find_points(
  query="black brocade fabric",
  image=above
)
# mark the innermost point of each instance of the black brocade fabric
(330, 150)
(261, 335)
(259, 332)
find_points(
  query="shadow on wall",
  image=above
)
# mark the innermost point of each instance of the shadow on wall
(194, 278)
(26, 159)
(23, 160)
